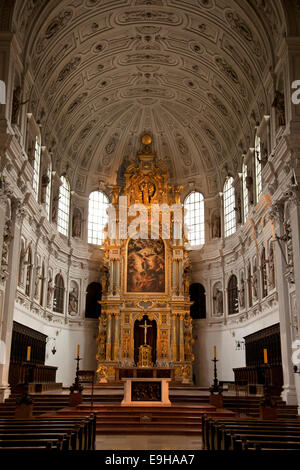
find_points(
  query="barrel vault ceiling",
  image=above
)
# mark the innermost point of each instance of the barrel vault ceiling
(191, 73)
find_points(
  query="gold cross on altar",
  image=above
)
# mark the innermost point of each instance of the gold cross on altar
(145, 326)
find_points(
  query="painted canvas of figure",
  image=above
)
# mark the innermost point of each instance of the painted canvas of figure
(146, 266)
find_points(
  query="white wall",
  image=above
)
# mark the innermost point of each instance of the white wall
(224, 337)
(67, 337)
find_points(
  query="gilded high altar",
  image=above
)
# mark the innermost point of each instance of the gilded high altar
(145, 276)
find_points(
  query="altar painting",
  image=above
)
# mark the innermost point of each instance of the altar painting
(146, 266)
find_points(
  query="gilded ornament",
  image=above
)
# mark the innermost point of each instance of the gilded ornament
(146, 139)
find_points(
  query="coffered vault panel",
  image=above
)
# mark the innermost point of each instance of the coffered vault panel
(191, 73)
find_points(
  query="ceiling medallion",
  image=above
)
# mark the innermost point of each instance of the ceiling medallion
(146, 139)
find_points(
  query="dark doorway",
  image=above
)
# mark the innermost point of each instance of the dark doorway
(197, 295)
(93, 295)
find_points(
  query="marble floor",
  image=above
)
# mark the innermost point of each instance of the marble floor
(152, 442)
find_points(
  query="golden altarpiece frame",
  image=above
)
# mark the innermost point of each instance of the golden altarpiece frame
(146, 279)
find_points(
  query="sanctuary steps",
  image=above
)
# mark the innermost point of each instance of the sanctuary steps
(109, 395)
(178, 419)
(41, 404)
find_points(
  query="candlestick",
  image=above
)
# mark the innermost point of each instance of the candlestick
(265, 356)
(215, 388)
(76, 385)
(215, 352)
(78, 350)
(28, 352)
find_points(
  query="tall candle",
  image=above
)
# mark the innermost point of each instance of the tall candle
(215, 352)
(28, 352)
(78, 350)
(265, 356)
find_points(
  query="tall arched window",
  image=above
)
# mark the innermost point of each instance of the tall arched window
(58, 297)
(233, 303)
(194, 218)
(245, 193)
(258, 168)
(28, 272)
(48, 188)
(229, 207)
(42, 285)
(36, 167)
(263, 268)
(98, 218)
(63, 207)
(22, 263)
(249, 282)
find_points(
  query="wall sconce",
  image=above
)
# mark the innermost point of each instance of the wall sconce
(53, 350)
(239, 345)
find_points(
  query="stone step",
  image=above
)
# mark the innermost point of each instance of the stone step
(158, 429)
(137, 421)
(143, 430)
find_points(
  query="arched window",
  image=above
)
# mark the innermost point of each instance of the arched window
(63, 207)
(245, 193)
(194, 218)
(22, 263)
(98, 218)
(263, 267)
(58, 297)
(229, 207)
(47, 180)
(197, 295)
(36, 167)
(42, 285)
(258, 168)
(233, 303)
(93, 295)
(28, 272)
(249, 281)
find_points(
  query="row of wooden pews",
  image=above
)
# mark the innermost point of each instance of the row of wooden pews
(49, 433)
(250, 434)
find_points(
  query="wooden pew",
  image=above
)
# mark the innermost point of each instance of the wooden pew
(88, 424)
(71, 433)
(217, 433)
(239, 442)
(30, 444)
(223, 435)
(66, 439)
(270, 445)
(77, 431)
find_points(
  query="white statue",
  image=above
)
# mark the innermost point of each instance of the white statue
(50, 292)
(37, 282)
(73, 301)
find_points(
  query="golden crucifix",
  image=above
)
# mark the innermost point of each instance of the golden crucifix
(145, 326)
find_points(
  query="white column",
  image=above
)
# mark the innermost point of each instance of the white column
(6, 316)
(295, 226)
(289, 391)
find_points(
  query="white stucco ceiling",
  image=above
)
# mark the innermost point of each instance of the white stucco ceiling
(190, 73)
